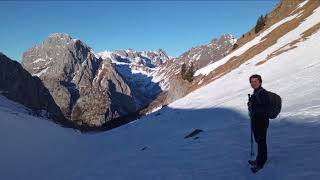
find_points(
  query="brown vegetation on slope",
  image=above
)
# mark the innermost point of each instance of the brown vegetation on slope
(268, 41)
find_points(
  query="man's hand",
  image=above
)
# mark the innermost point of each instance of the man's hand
(249, 104)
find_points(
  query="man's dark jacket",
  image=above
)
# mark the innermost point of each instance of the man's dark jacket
(259, 103)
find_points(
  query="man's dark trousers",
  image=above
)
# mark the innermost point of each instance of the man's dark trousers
(260, 124)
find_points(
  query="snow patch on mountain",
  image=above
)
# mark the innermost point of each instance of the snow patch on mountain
(41, 72)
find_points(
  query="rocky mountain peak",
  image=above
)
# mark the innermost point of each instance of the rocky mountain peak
(60, 36)
(224, 39)
(87, 89)
(146, 59)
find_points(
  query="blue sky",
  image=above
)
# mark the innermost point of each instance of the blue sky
(174, 26)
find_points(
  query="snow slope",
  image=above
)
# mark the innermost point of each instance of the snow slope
(154, 147)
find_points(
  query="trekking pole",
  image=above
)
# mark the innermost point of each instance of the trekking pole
(251, 153)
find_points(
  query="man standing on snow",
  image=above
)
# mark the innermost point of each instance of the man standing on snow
(258, 109)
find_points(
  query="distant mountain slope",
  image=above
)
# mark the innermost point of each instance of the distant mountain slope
(18, 85)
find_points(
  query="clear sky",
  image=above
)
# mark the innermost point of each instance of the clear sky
(174, 26)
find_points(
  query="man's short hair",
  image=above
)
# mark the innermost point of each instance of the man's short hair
(256, 76)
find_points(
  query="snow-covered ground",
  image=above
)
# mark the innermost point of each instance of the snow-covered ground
(154, 147)
(33, 148)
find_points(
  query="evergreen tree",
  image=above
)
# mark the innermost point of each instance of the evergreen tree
(183, 69)
(235, 46)
(260, 24)
(189, 74)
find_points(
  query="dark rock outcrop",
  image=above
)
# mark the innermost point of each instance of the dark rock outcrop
(193, 133)
(18, 85)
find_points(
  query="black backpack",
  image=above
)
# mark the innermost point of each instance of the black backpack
(275, 104)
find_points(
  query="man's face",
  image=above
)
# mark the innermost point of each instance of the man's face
(254, 82)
